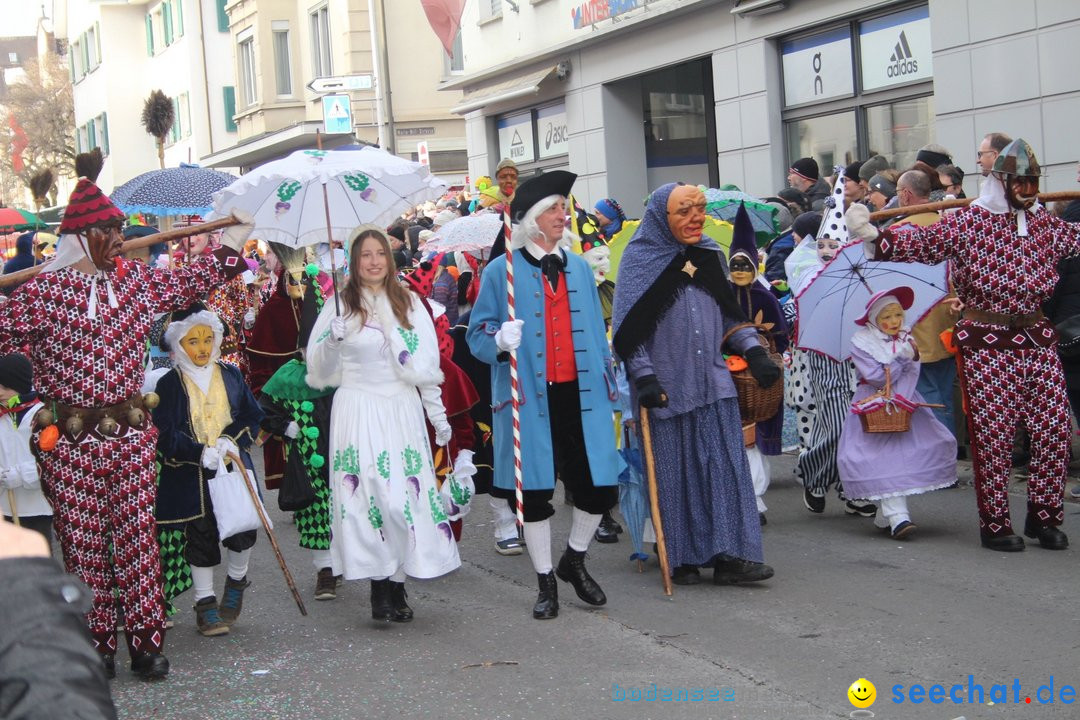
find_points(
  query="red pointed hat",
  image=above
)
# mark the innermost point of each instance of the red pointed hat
(89, 207)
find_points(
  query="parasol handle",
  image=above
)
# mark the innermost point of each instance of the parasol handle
(134, 244)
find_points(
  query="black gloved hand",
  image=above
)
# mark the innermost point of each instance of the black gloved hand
(650, 394)
(764, 370)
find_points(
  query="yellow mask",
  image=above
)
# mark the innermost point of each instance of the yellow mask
(199, 344)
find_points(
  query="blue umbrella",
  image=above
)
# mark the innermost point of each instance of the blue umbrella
(634, 496)
(184, 190)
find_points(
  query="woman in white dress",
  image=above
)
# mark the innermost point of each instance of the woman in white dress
(386, 517)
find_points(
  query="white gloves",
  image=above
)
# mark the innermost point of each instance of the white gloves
(9, 479)
(509, 335)
(337, 329)
(235, 236)
(858, 223)
(225, 446)
(443, 431)
(210, 457)
(249, 319)
(292, 430)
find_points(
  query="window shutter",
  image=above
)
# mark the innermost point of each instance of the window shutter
(149, 36)
(179, 18)
(166, 21)
(229, 91)
(105, 133)
(91, 134)
(222, 16)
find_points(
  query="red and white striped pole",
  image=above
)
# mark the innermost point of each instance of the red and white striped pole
(515, 399)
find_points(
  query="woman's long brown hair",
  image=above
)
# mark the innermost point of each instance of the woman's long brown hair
(400, 300)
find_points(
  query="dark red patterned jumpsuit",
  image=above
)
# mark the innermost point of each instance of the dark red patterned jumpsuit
(1010, 375)
(103, 488)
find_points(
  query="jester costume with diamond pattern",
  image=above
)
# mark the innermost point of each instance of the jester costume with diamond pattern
(102, 488)
(1011, 375)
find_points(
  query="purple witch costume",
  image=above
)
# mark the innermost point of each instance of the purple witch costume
(669, 321)
(874, 466)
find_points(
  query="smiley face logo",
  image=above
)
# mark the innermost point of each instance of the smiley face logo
(862, 693)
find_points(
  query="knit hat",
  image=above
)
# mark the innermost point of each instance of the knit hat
(506, 163)
(444, 217)
(933, 155)
(807, 224)
(16, 373)
(610, 209)
(806, 167)
(851, 172)
(881, 184)
(783, 217)
(791, 195)
(873, 166)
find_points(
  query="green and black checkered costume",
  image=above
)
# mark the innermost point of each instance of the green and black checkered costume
(287, 398)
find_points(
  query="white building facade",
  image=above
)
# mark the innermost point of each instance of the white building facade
(122, 50)
(630, 94)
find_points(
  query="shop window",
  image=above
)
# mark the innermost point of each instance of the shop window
(677, 107)
(837, 115)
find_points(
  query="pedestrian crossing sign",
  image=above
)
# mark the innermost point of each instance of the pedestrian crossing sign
(337, 114)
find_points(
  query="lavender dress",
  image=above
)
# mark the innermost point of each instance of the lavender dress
(881, 465)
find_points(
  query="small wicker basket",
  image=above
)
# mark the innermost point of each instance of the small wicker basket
(755, 402)
(749, 435)
(885, 419)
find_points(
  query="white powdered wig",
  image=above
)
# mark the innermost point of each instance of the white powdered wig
(527, 229)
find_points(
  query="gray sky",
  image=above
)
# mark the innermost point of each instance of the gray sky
(20, 16)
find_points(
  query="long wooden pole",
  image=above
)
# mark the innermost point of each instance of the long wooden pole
(654, 500)
(962, 202)
(12, 507)
(515, 395)
(133, 244)
(239, 464)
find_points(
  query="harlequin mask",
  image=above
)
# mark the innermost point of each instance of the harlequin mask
(827, 249)
(599, 259)
(742, 270)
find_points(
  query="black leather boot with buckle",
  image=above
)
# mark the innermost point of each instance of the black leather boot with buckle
(547, 601)
(571, 569)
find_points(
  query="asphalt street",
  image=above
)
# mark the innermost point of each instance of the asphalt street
(846, 603)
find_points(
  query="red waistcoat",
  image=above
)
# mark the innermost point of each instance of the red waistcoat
(559, 331)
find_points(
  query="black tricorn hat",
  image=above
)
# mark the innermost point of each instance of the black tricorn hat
(533, 190)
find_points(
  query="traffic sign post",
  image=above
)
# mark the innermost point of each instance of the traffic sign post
(342, 83)
(337, 114)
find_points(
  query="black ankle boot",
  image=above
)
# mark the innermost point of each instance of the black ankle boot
(382, 604)
(402, 612)
(150, 666)
(1048, 536)
(108, 662)
(547, 601)
(571, 569)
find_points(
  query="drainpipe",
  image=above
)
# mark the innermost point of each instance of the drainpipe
(375, 63)
(206, 80)
(385, 41)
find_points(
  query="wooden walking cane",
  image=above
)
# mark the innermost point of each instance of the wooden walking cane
(961, 202)
(133, 244)
(654, 501)
(11, 506)
(269, 533)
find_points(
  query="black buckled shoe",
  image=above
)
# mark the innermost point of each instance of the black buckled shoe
(1003, 543)
(734, 571)
(402, 612)
(571, 569)
(108, 662)
(547, 601)
(150, 666)
(1051, 538)
(609, 530)
(382, 605)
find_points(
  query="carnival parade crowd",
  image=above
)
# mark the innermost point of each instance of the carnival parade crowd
(388, 383)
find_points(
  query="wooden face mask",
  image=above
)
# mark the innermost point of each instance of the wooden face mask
(198, 343)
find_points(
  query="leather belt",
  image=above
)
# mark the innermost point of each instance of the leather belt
(1012, 321)
(111, 420)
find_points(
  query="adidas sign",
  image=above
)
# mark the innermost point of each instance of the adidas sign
(902, 61)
